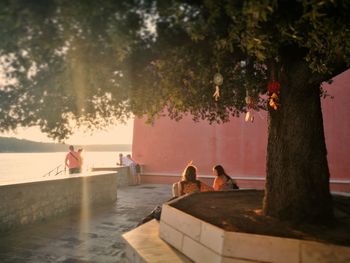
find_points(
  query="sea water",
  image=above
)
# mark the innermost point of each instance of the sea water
(17, 167)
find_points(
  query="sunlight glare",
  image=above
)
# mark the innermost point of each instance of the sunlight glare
(84, 224)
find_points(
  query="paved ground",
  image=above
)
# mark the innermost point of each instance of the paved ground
(77, 238)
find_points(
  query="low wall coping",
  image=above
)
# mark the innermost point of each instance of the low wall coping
(247, 178)
(57, 177)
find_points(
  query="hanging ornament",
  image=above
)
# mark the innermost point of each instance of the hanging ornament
(216, 94)
(249, 116)
(274, 101)
(273, 89)
(218, 80)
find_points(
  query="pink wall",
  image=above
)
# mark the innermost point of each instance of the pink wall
(167, 146)
(336, 115)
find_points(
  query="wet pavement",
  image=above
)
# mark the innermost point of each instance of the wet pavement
(92, 235)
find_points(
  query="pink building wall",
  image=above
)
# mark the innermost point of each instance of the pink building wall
(167, 146)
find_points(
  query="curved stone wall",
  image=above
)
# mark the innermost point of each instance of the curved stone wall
(28, 202)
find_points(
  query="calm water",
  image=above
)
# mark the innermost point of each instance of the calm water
(17, 167)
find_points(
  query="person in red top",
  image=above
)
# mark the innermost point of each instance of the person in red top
(73, 161)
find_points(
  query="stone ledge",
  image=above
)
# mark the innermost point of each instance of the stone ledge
(29, 202)
(144, 245)
(39, 180)
(203, 242)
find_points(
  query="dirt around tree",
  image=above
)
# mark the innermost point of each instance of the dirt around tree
(240, 211)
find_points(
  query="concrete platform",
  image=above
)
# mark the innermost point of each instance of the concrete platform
(145, 245)
(92, 236)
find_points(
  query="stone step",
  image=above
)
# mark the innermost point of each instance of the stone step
(143, 244)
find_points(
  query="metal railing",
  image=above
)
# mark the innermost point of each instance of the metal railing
(55, 171)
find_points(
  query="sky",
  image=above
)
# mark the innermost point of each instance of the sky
(119, 134)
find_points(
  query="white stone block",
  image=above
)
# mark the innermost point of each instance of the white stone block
(171, 235)
(261, 248)
(139, 259)
(314, 252)
(212, 237)
(130, 253)
(181, 221)
(237, 260)
(203, 242)
(148, 247)
(198, 252)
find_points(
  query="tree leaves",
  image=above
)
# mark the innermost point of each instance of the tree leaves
(96, 62)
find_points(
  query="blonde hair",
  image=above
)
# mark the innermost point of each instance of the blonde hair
(189, 174)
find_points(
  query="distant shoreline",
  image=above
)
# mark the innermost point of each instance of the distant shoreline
(66, 151)
(14, 145)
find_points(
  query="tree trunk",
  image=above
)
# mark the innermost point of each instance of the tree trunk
(297, 183)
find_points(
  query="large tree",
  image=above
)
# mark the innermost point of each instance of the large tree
(94, 62)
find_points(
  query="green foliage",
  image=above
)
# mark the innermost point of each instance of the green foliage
(61, 58)
(95, 62)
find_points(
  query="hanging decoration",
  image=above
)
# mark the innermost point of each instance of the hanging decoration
(218, 80)
(274, 101)
(250, 102)
(273, 89)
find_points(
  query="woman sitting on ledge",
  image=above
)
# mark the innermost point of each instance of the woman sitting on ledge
(189, 183)
(222, 181)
